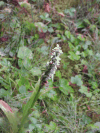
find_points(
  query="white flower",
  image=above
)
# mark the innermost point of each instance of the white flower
(54, 63)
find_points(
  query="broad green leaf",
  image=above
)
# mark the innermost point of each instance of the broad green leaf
(77, 80)
(31, 127)
(24, 53)
(3, 92)
(44, 16)
(52, 95)
(73, 56)
(87, 43)
(50, 30)
(23, 82)
(64, 86)
(1, 3)
(39, 24)
(86, 120)
(53, 125)
(5, 63)
(35, 71)
(22, 89)
(20, 62)
(97, 126)
(27, 64)
(48, 19)
(33, 120)
(84, 90)
(45, 28)
(44, 50)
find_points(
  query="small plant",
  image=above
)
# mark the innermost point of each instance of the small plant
(49, 73)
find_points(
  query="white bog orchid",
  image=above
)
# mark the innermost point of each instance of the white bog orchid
(53, 64)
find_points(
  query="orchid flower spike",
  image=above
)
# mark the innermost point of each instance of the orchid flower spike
(53, 64)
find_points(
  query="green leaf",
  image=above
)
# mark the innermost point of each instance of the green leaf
(33, 120)
(44, 50)
(45, 28)
(72, 39)
(56, 25)
(29, 105)
(73, 56)
(52, 95)
(77, 80)
(22, 89)
(87, 21)
(54, 40)
(5, 63)
(24, 53)
(31, 126)
(58, 74)
(41, 26)
(23, 82)
(3, 92)
(97, 127)
(87, 43)
(80, 37)
(80, 24)
(35, 71)
(65, 65)
(48, 19)
(64, 86)
(44, 16)
(20, 62)
(50, 30)
(84, 90)
(63, 38)
(53, 125)
(72, 9)
(2, 16)
(71, 46)
(86, 120)
(92, 27)
(68, 34)
(1, 3)
(27, 64)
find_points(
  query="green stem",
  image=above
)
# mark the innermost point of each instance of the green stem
(29, 105)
